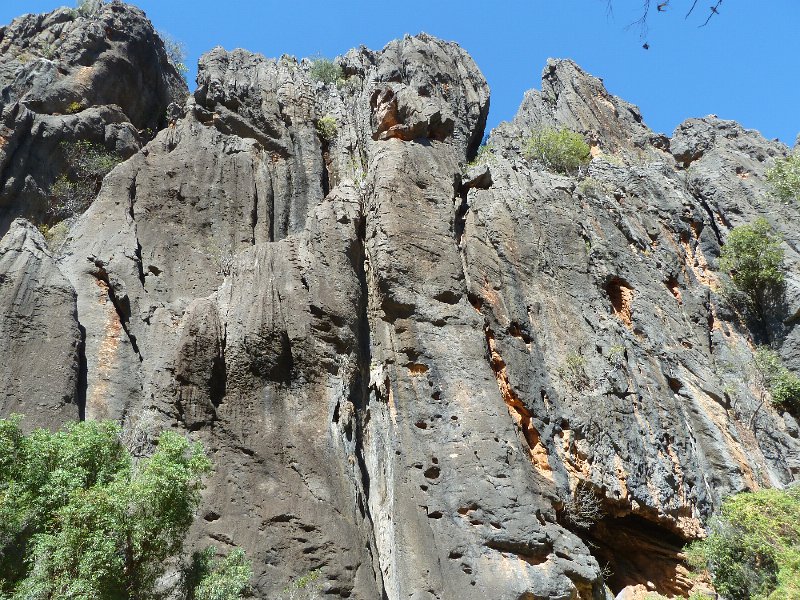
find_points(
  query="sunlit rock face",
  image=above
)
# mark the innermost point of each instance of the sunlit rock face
(69, 75)
(412, 374)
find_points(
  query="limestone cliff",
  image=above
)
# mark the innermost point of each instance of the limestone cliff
(404, 368)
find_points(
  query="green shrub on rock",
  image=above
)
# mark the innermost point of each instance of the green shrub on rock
(56, 234)
(325, 70)
(75, 189)
(784, 177)
(326, 128)
(209, 578)
(561, 150)
(572, 372)
(303, 588)
(753, 547)
(783, 385)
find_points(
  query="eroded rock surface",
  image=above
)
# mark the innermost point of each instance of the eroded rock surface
(403, 368)
(40, 338)
(603, 298)
(100, 75)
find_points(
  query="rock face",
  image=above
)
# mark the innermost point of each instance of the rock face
(40, 337)
(99, 75)
(603, 299)
(410, 374)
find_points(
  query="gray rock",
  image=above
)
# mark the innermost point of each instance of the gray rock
(572, 99)
(603, 297)
(40, 338)
(65, 76)
(410, 372)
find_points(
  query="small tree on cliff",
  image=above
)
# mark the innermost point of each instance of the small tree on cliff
(753, 257)
(561, 150)
(77, 187)
(80, 520)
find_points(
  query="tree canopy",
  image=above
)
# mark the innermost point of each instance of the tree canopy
(753, 257)
(81, 520)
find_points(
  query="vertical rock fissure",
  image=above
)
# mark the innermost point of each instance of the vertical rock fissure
(139, 264)
(123, 320)
(219, 373)
(478, 131)
(254, 215)
(711, 220)
(459, 221)
(122, 313)
(361, 393)
(459, 225)
(83, 375)
(325, 174)
(138, 251)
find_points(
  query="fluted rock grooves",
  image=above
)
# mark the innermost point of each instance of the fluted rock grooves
(377, 344)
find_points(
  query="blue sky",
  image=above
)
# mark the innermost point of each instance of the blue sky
(745, 65)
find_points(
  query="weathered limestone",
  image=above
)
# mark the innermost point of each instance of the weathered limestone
(66, 76)
(405, 368)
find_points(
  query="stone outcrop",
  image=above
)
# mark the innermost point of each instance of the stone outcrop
(603, 299)
(40, 337)
(409, 372)
(100, 75)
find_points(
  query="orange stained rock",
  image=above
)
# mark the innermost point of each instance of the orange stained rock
(673, 286)
(519, 412)
(416, 369)
(696, 261)
(97, 398)
(621, 295)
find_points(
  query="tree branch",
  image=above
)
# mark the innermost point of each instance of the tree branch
(714, 11)
(641, 22)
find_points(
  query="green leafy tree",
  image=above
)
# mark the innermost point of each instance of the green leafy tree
(176, 53)
(80, 520)
(560, 150)
(753, 547)
(753, 257)
(325, 70)
(784, 177)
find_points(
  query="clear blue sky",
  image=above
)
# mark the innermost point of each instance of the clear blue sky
(745, 65)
